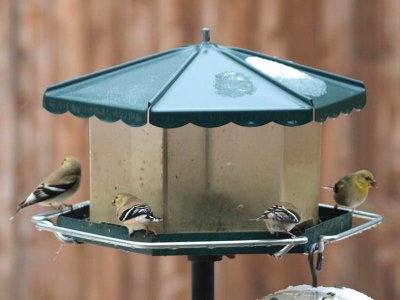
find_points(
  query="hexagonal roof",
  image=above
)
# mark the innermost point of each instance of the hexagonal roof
(207, 85)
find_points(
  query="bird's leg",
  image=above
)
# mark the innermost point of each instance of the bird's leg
(53, 207)
(335, 209)
(63, 205)
(291, 235)
(148, 233)
(145, 232)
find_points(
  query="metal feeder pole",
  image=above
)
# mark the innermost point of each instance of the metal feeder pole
(203, 276)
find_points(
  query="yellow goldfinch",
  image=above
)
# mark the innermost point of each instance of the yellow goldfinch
(134, 213)
(57, 187)
(281, 217)
(352, 190)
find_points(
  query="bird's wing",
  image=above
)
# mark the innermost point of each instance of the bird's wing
(280, 213)
(339, 186)
(46, 190)
(135, 211)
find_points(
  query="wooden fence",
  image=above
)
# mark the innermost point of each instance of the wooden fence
(44, 42)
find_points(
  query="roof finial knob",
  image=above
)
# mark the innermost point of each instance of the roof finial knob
(206, 34)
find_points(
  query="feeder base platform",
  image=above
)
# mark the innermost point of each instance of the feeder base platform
(333, 222)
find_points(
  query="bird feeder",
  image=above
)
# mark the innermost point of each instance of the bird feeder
(209, 136)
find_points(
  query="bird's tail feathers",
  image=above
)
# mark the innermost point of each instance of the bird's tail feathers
(331, 188)
(20, 206)
(257, 219)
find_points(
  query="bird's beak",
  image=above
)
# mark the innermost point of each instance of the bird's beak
(374, 183)
(113, 202)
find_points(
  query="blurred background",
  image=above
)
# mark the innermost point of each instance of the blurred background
(46, 41)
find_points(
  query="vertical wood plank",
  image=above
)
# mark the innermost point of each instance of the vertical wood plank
(8, 77)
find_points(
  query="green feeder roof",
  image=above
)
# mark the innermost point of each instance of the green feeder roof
(208, 85)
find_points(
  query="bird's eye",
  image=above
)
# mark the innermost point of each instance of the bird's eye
(368, 178)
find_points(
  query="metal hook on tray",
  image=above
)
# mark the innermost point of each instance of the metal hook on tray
(314, 248)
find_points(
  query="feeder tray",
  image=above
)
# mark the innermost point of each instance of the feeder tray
(73, 225)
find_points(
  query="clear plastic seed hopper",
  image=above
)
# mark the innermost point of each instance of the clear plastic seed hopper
(209, 136)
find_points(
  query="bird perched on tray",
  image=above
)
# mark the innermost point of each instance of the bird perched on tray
(352, 190)
(57, 187)
(134, 213)
(281, 217)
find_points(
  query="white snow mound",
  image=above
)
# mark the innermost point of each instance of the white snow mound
(307, 292)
